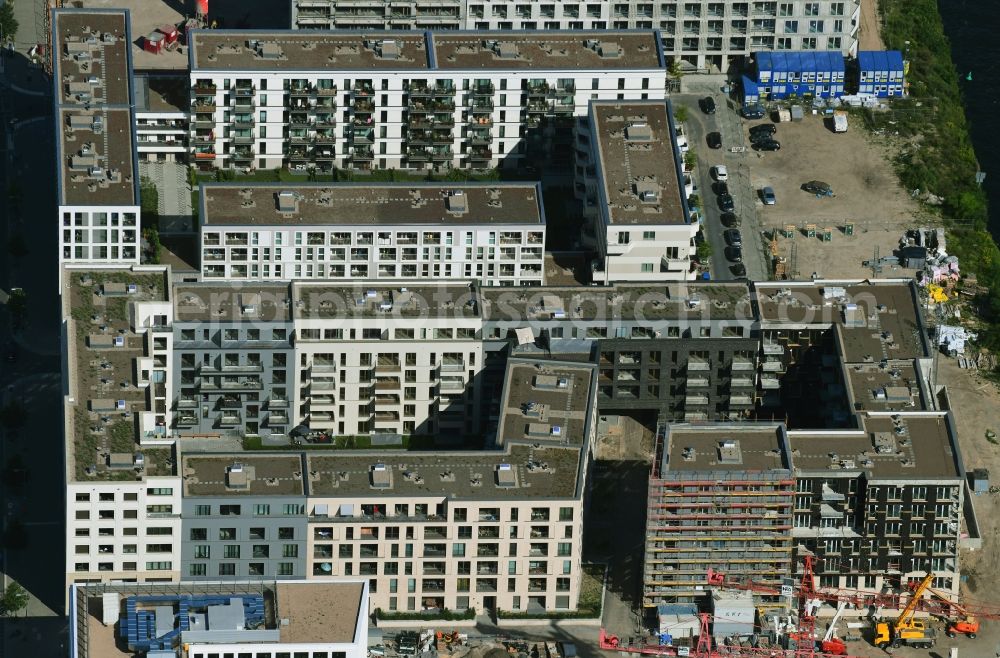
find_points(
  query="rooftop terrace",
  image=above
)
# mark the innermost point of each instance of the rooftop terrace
(96, 166)
(231, 303)
(732, 447)
(883, 322)
(102, 364)
(380, 204)
(903, 446)
(546, 403)
(243, 475)
(319, 301)
(258, 50)
(576, 50)
(636, 163)
(92, 66)
(638, 302)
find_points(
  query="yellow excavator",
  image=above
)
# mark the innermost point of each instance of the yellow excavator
(905, 630)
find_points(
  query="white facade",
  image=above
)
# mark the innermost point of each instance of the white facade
(704, 34)
(496, 254)
(124, 530)
(99, 234)
(487, 554)
(440, 115)
(161, 136)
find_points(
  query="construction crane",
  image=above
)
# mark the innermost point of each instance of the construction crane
(959, 623)
(705, 647)
(830, 643)
(906, 629)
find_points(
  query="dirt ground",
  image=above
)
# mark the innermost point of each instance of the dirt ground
(866, 193)
(868, 36)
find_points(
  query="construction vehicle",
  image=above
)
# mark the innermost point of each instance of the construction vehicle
(830, 642)
(906, 630)
(960, 622)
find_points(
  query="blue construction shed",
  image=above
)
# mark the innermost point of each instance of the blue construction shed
(881, 73)
(797, 73)
(751, 92)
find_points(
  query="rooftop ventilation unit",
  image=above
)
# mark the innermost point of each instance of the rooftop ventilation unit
(506, 476)
(388, 49)
(457, 202)
(249, 303)
(268, 50)
(381, 476)
(288, 202)
(729, 452)
(506, 50)
(609, 50)
(237, 476)
(639, 132)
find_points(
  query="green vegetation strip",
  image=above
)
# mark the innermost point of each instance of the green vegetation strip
(444, 615)
(940, 158)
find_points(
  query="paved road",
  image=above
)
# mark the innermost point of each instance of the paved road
(728, 123)
(32, 379)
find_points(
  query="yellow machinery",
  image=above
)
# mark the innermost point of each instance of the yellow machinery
(906, 630)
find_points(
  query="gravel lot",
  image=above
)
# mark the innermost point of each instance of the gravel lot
(867, 194)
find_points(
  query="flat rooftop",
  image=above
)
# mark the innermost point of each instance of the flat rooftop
(367, 300)
(101, 369)
(162, 93)
(92, 64)
(725, 447)
(630, 302)
(96, 166)
(543, 472)
(885, 323)
(636, 163)
(243, 474)
(566, 50)
(308, 610)
(356, 204)
(292, 50)
(546, 403)
(892, 386)
(909, 446)
(230, 303)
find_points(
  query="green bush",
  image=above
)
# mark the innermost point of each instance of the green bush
(444, 615)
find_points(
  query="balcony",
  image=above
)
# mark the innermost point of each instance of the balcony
(482, 106)
(480, 138)
(244, 91)
(538, 90)
(187, 419)
(363, 106)
(325, 121)
(205, 90)
(243, 121)
(361, 90)
(362, 155)
(480, 155)
(442, 154)
(698, 365)
(420, 90)
(300, 90)
(483, 89)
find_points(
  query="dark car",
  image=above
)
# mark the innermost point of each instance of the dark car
(753, 111)
(762, 130)
(714, 140)
(734, 254)
(726, 203)
(739, 270)
(818, 187)
(708, 105)
(767, 145)
(721, 187)
(734, 238)
(729, 219)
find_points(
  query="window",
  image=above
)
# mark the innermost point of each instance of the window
(293, 509)
(647, 267)
(203, 510)
(198, 570)
(290, 550)
(232, 552)
(623, 237)
(199, 534)
(159, 566)
(227, 534)
(286, 533)
(202, 552)
(159, 509)
(261, 510)
(229, 510)
(286, 569)
(227, 569)
(649, 235)
(159, 491)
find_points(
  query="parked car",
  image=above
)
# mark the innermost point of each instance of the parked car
(729, 219)
(721, 187)
(720, 173)
(762, 130)
(753, 111)
(734, 238)
(734, 254)
(739, 270)
(767, 196)
(708, 105)
(767, 145)
(818, 187)
(726, 203)
(714, 140)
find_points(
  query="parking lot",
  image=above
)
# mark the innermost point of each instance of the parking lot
(866, 194)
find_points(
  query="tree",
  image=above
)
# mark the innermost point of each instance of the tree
(680, 113)
(690, 160)
(15, 598)
(674, 69)
(8, 24)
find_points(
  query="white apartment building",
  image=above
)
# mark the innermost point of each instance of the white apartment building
(628, 175)
(162, 114)
(493, 233)
(702, 34)
(398, 100)
(97, 175)
(123, 488)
